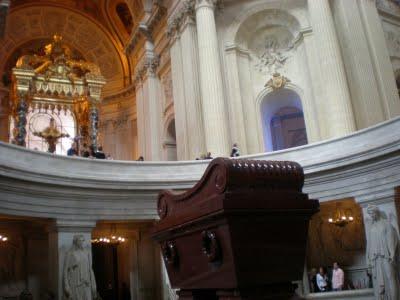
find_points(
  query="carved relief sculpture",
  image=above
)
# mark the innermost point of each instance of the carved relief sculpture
(383, 255)
(78, 277)
(273, 58)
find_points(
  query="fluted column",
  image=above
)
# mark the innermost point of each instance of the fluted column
(380, 57)
(190, 65)
(213, 106)
(339, 116)
(368, 110)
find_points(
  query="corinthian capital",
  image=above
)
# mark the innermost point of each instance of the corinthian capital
(206, 3)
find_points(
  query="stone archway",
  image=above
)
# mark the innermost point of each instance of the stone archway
(282, 120)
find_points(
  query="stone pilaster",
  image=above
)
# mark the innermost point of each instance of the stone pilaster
(213, 102)
(61, 236)
(141, 134)
(179, 98)
(149, 104)
(238, 112)
(383, 69)
(339, 117)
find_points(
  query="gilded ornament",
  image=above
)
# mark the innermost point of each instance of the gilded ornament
(277, 81)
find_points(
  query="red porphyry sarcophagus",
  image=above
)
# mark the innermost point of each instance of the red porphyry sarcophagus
(242, 227)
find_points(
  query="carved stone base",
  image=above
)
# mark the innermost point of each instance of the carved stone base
(270, 292)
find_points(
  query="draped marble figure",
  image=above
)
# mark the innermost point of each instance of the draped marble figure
(79, 281)
(383, 255)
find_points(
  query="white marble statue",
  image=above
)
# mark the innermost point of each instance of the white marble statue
(383, 255)
(78, 277)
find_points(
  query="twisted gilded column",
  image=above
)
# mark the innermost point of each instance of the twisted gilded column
(338, 108)
(213, 106)
(94, 125)
(20, 120)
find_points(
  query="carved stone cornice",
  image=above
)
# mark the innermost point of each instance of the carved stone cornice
(184, 16)
(146, 26)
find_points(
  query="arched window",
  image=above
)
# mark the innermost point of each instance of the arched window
(283, 120)
(125, 16)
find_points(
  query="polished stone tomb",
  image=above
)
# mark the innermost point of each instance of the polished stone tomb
(239, 233)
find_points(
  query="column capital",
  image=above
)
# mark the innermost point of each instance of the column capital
(178, 21)
(206, 3)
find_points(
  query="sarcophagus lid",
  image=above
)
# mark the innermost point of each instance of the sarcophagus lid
(243, 225)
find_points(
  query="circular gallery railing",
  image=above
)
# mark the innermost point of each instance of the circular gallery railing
(39, 184)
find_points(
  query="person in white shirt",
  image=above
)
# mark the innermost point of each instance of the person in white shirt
(322, 280)
(337, 277)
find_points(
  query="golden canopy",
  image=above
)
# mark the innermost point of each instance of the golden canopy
(57, 82)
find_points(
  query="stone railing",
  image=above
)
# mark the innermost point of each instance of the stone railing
(364, 294)
(364, 165)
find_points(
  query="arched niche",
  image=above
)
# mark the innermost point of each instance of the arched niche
(170, 151)
(282, 120)
(266, 20)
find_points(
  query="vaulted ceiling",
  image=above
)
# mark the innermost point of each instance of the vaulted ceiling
(96, 29)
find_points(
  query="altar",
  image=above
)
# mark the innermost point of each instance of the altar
(55, 100)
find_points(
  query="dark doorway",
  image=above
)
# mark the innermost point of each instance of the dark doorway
(105, 268)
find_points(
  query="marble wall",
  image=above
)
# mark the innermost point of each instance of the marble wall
(118, 128)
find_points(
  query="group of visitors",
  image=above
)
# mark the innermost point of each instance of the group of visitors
(324, 282)
(88, 152)
(235, 152)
